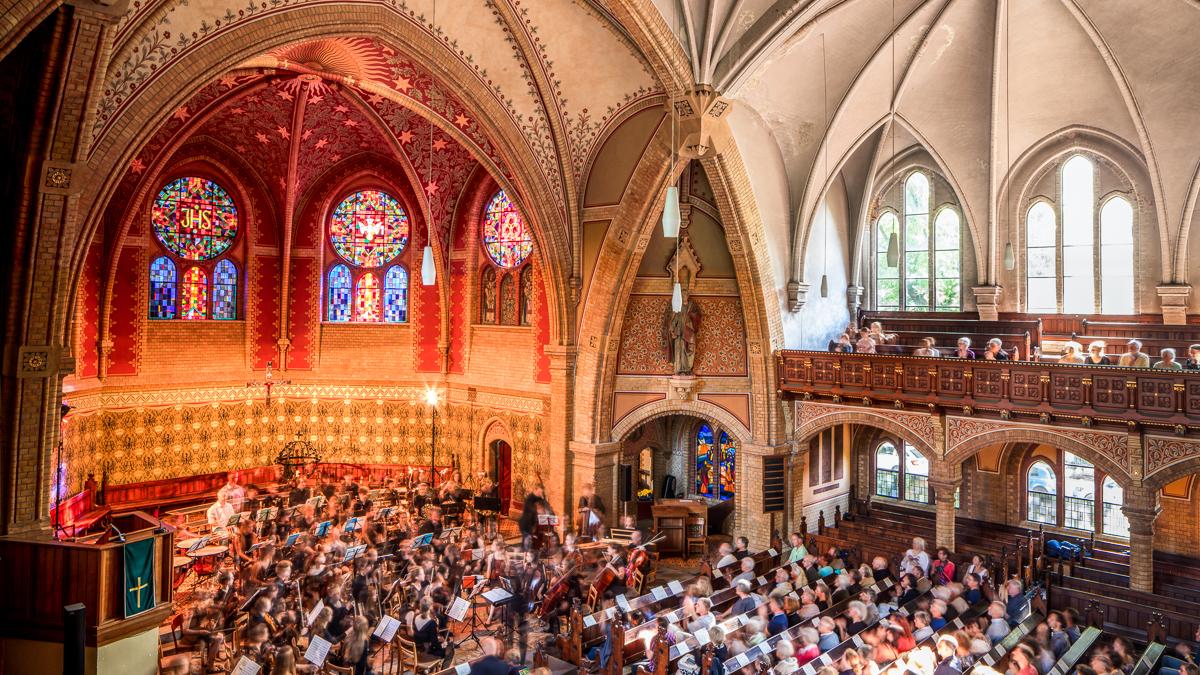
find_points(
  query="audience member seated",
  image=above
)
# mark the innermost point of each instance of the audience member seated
(1133, 356)
(915, 557)
(866, 345)
(964, 349)
(1072, 353)
(1096, 355)
(1168, 361)
(927, 348)
(1016, 606)
(879, 336)
(993, 351)
(843, 345)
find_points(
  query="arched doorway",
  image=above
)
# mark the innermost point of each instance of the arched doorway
(502, 469)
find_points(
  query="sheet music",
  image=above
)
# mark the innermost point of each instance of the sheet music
(676, 587)
(772, 553)
(589, 621)
(352, 524)
(742, 619)
(659, 593)
(462, 669)
(318, 650)
(478, 554)
(958, 623)
(497, 595)
(291, 540)
(458, 610)
(323, 528)
(199, 543)
(702, 637)
(610, 612)
(673, 617)
(858, 640)
(386, 630)
(622, 603)
(762, 581)
(741, 660)
(312, 616)
(245, 666)
(683, 648)
(825, 659)
(808, 669)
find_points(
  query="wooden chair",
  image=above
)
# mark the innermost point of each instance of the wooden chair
(639, 582)
(172, 660)
(696, 532)
(417, 662)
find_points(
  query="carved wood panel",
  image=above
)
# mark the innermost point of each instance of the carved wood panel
(916, 377)
(1110, 392)
(1156, 395)
(1192, 399)
(824, 372)
(1066, 388)
(854, 374)
(952, 380)
(989, 383)
(794, 370)
(883, 376)
(1026, 386)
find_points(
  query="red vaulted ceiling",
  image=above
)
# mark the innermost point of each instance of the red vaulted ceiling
(252, 117)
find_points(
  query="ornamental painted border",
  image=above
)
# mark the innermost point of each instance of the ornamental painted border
(920, 424)
(1162, 453)
(1114, 446)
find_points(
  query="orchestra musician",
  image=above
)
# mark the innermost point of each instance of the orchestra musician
(299, 494)
(220, 513)
(241, 544)
(535, 503)
(591, 512)
(234, 494)
(423, 499)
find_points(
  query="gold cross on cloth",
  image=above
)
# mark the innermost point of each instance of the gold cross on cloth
(138, 590)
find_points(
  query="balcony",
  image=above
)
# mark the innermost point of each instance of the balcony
(1093, 393)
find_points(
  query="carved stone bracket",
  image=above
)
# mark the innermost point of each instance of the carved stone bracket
(1173, 300)
(33, 361)
(987, 300)
(681, 388)
(797, 295)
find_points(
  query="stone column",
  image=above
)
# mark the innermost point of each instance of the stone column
(854, 296)
(66, 77)
(1173, 300)
(987, 301)
(797, 473)
(592, 463)
(749, 519)
(1141, 545)
(562, 383)
(943, 496)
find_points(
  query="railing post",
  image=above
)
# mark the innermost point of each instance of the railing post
(821, 522)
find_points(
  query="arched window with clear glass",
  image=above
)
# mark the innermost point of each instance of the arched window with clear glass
(916, 476)
(1041, 485)
(1114, 521)
(1042, 258)
(887, 471)
(928, 247)
(1079, 494)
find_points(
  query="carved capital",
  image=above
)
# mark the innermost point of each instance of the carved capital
(1173, 300)
(701, 118)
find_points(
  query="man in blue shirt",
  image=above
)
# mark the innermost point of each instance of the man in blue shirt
(1017, 606)
(778, 622)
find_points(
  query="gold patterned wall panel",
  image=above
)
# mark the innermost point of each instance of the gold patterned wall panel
(154, 443)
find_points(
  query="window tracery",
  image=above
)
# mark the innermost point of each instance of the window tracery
(928, 273)
(368, 231)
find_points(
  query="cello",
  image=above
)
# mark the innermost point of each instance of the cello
(556, 593)
(638, 558)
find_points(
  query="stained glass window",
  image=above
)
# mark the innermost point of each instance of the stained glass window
(395, 295)
(162, 289)
(704, 460)
(487, 295)
(225, 291)
(505, 236)
(195, 294)
(728, 470)
(339, 293)
(369, 228)
(508, 301)
(195, 218)
(366, 298)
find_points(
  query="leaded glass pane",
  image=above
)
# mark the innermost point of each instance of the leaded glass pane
(1043, 294)
(916, 264)
(1040, 226)
(728, 469)
(1115, 523)
(1116, 222)
(225, 291)
(949, 230)
(887, 471)
(1078, 200)
(194, 218)
(395, 295)
(195, 294)
(1042, 263)
(916, 194)
(706, 481)
(162, 289)
(887, 224)
(339, 294)
(947, 264)
(367, 305)
(505, 236)
(1079, 294)
(916, 294)
(886, 272)
(949, 294)
(889, 293)
(368, 228)
(1079, 514)
(916, 233)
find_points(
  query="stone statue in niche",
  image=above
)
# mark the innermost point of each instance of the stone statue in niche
(489, 296)
(682, 328)
(526, 296)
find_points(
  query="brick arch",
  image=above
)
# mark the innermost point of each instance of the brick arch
(876, 420)
(1169, 475)
(491, 430)
(704, 411)
(1017, 436)
(127, 135)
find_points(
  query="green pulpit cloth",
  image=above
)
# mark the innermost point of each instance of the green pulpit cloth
(139, 577)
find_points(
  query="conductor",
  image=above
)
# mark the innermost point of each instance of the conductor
(535, 501)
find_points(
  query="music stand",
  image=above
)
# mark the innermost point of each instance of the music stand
(468, 614)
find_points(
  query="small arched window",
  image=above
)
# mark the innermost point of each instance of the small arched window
(339, 293)
(505, 236)
(367, 301)
(728, 468)
(1078, 261)
(162, 289)
(901, 466)
(928, 273)
(225, 291)
(1116, 257)
(706, 479)
(195, 294)
(395, 295)
(1041, 485)
(1079, 496)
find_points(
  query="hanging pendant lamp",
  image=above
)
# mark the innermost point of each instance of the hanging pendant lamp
(677, 298)
(893, 252)
(1010, 260)
(824, 285)
(671, 217)
(428, 271)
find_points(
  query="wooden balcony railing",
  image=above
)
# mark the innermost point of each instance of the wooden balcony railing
(1137, 394)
